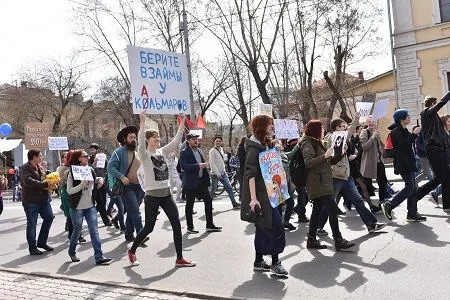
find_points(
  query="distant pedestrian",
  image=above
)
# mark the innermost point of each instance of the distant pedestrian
(82, 206)
(36, 201)
(196, 183)
(3, 185)
(269, 234)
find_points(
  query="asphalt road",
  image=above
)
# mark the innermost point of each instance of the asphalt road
(404, 260)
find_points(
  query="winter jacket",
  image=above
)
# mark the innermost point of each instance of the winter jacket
(372, 153)
(403, 142)
(420, 146)
(434, 133)
(33, 186)
(253, 170)
(319, 178)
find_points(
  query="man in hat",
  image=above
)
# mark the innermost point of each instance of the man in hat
(218, 172)
(123, 166)
(436, 146)
(196, 182)
(100, 193)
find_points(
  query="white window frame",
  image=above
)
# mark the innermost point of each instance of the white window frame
(444, 68)
(436, 12)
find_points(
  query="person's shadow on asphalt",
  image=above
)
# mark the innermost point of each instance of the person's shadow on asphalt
(262, 284)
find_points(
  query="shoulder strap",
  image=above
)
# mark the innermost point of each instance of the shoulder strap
(129, 167)
(220, 153)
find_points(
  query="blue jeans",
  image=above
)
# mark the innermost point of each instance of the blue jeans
(409, 192)
(302, 200)
(227, 185)
(132, 200)
(117, 200)
(90, 214)
(44, 209)
(348, 189)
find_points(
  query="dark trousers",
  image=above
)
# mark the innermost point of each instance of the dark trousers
(100, 197)
(382, 181)
(152, 204)
(441, 170)
(408, 192)
(330, 204)
(302, 200)
(200, 193)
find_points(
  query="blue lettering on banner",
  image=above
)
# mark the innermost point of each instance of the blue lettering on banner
(162, 74)
(163, 87)
(159, 59)
(160, 104)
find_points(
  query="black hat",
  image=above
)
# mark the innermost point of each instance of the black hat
(191, 135)
(125, 131)
(94, 146)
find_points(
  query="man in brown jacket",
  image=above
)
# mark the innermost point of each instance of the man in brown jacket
(36, 200)
(372, 164)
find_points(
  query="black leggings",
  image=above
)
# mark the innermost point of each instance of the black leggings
(152, 205)
(330, 204)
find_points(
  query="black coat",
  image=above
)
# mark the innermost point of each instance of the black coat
(34, 189)
(434, 133)
(190, 169)
(404, 158)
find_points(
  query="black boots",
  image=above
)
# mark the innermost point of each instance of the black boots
(312, 243)
(342, 244)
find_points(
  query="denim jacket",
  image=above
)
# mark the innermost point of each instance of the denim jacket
(117, 165)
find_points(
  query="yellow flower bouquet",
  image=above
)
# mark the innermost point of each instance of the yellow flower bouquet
(52, 178)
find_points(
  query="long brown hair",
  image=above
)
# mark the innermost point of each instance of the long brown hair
(75, 157)
(314, 129)
(258, 125)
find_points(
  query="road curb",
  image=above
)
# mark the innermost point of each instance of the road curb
(120, 285)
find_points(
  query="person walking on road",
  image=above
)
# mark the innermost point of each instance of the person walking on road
(319, 183)
(269, 234)
(157, 189)
(344, 184)
(123, 166)
(195, 183)
(436, 146)
(218, 171)
(82, 205)
(36, 200)
(405, 166)
(3, 185)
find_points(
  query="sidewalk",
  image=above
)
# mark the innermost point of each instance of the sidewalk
(18, 285)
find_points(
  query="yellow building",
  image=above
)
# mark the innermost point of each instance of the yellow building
(422, 51)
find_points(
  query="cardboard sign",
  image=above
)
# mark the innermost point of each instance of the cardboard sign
(380, 109)
(36, 135)
(198, 132)
(338, 141)
(363, 108)
(141, 177)
(101, 160)
(265, 109)
(58, 143)
(159, 81)
(286, 129)
(274, 176)
(82, 173)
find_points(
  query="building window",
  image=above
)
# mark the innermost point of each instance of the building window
(171, 130)
(444, 6)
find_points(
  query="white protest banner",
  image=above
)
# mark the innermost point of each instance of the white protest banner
(58, 143)
(101, 160)
(159, 81)
(338, 141)
(363, 108)
(141, 177)
(198, 132)
(286, 129)
(265, 109)
(82, 173)
(380, 109)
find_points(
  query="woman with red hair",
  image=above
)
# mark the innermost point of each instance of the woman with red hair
(269, 235)
(319, 183)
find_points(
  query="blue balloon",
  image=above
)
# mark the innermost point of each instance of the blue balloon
(5, 129)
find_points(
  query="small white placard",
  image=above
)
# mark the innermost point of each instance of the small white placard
(286, 129)
(141, 177)
(101, 160)
(82, 173)
(58, 143)
(338, 141)
(363, 108)
(380, 109)
(198, 132)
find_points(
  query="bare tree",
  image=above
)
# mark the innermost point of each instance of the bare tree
(248, 29)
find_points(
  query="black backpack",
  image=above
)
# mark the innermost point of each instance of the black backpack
(297, 169)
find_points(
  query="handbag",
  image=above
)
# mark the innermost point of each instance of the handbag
(118, 188)
(254, 216)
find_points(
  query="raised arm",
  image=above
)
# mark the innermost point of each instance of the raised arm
(434, 109)
(172, 146)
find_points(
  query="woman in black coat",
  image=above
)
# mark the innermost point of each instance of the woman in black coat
(405, 166)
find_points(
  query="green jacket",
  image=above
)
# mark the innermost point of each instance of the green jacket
(253, 170)
(319, 178)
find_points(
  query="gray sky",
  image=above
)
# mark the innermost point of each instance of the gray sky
(32, 30)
